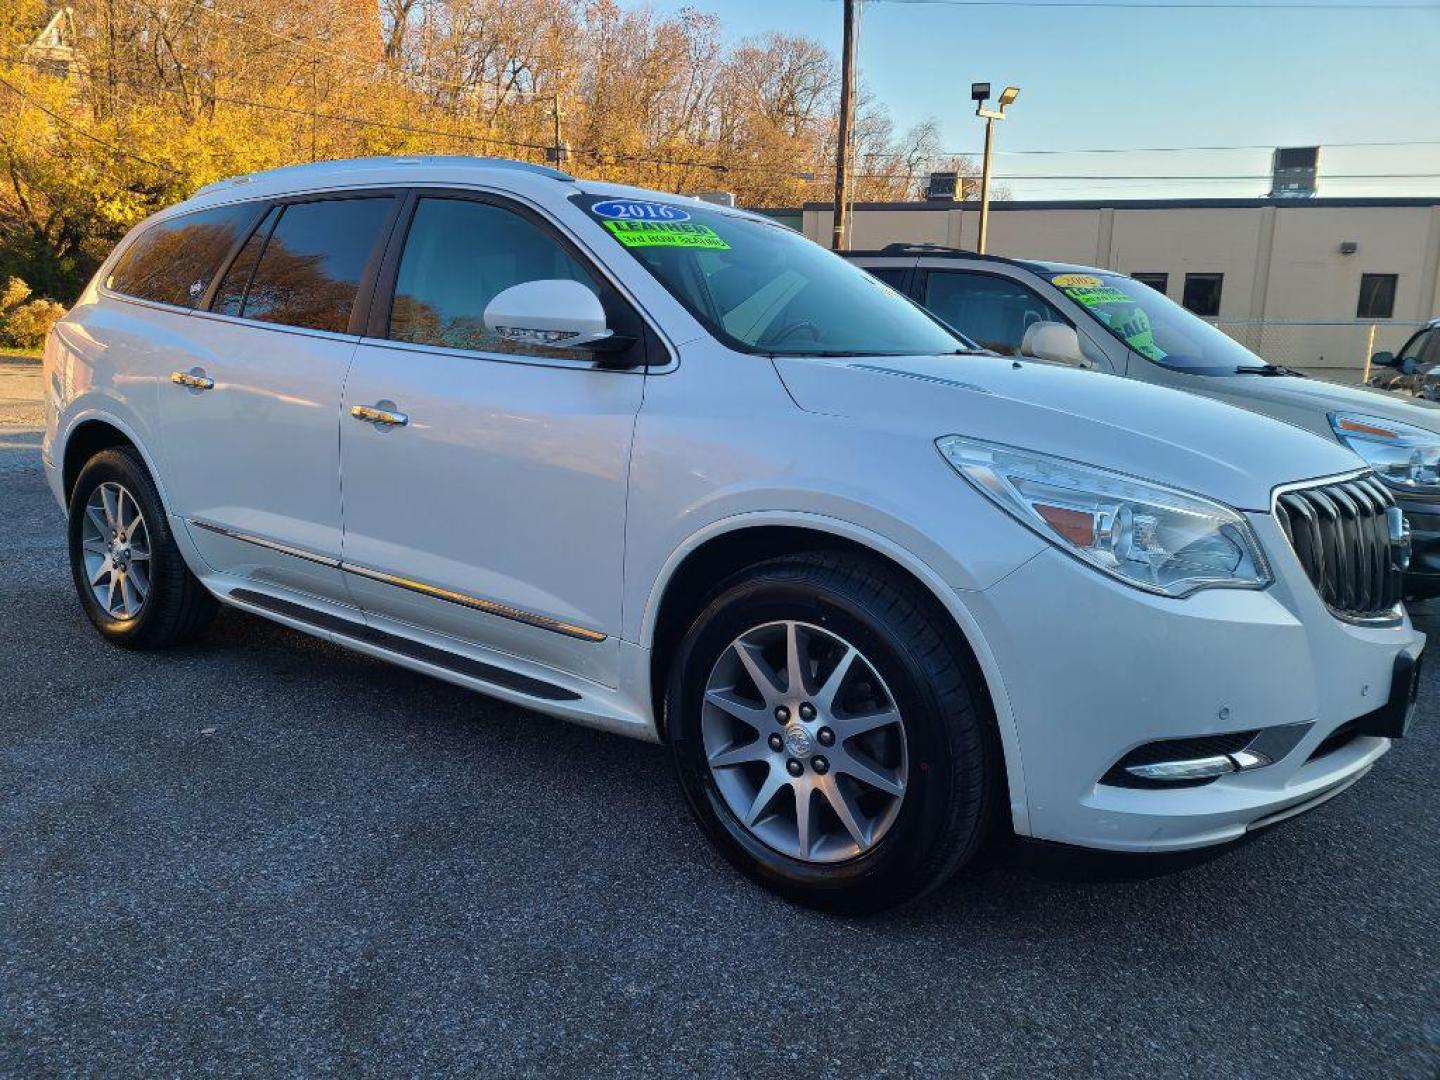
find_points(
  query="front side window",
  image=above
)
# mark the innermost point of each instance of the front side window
(309, 270)
(1202, 293)
(459, 255)
(761, 288)
(1416, 347)
(1154, 326)
(173, 261)
(1377, 296)
(990, 310)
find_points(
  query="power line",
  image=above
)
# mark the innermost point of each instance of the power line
(1182, 5)
(1192, 149)
(596, 154)
(117, 150)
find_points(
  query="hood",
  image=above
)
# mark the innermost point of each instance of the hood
(1151, 432)
(1329, 397)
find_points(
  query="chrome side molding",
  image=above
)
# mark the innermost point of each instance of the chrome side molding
(260, 541)
(489, 607)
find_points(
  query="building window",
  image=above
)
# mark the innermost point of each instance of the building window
(1377, 296)
(1202, 293)
(1158, 282)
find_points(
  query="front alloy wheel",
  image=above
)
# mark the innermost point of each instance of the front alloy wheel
(831, 732)
(804, 741)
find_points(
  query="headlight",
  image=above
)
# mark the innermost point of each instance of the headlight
(1149, 536)
(1404, 456)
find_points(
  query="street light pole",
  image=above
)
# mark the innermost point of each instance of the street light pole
(985, 183)
(980, 93)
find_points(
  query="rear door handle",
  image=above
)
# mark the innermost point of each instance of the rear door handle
(380, 414)
(194, 379)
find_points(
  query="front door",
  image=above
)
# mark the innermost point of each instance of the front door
(487, 504)
(252, 420)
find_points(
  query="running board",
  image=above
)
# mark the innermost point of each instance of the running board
(415, 650)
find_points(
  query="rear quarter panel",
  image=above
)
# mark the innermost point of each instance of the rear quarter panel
(105, 361)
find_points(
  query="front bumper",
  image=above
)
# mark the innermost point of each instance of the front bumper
(1093, 669)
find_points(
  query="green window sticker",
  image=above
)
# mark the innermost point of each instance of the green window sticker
(1116, 309)
(684, 234)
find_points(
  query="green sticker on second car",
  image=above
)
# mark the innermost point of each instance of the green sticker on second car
(1115, 308)
(684, 234)
(1094, 295)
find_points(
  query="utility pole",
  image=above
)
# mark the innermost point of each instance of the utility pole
(838, 240)
(556, 153)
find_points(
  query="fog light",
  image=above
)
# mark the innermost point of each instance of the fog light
(1205, 768)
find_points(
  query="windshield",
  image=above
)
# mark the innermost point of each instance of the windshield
(762, 288)
(1154, 326)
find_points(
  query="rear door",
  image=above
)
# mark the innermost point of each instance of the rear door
(252, 422)
(495, 514)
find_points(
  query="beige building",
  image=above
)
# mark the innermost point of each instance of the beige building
(1302, 281)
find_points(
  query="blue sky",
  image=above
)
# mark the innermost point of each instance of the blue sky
(1101, 77)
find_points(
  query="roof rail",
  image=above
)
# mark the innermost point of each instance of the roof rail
(342, 166)
(900, 248)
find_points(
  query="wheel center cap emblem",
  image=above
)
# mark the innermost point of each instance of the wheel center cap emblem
(797, 740)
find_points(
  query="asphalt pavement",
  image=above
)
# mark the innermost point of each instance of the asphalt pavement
(262, 854)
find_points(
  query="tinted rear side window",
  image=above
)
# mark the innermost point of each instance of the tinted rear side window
(894, 276)
(230, 296)
(173, 261)
(310, 269)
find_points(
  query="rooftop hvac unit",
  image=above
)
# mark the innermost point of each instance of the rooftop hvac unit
(942, 187)
(1294, 172)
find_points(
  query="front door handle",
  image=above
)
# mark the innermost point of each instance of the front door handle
(194, 379)
(379, 414)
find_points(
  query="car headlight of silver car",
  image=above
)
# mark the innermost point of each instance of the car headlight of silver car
(1152, 537)
(1404, 456)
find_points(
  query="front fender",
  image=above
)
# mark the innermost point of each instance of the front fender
(953, 600)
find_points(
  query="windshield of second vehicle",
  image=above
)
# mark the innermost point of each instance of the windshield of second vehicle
(763, 288)
(1154, 326)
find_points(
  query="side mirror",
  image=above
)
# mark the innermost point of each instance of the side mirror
(556, 313)
(1383, 359)
(1052, 341)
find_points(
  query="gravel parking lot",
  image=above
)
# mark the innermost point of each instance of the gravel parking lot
(263, 854)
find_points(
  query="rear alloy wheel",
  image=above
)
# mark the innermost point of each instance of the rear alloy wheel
(130, 576)
(830, 732)
(115, 547)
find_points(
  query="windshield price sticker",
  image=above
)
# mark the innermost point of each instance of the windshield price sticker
(682, 234)
(637, 210)
(1076, 281)
(1092, 296)
(1126, 318)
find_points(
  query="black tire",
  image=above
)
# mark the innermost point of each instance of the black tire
(955, 781)
(176, 607)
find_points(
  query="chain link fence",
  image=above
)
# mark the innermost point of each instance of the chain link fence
(1338, 350)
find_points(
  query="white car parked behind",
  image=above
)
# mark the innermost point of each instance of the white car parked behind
(674, 471)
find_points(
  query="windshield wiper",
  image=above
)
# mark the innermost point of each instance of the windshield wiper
(1268, 370)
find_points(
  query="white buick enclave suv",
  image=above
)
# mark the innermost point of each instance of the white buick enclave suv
(675, 471)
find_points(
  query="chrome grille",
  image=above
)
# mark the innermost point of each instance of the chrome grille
(1342, 535)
